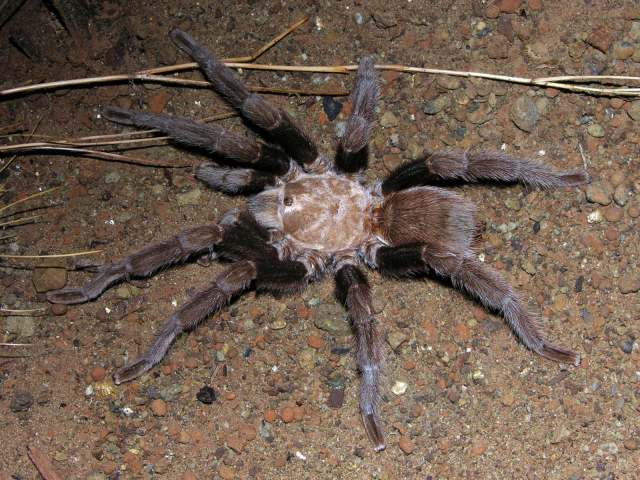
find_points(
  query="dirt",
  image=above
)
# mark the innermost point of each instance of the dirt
(260, 391)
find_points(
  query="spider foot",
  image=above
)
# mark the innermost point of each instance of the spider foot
(559, 354)
(67, 296)
(373, 428)
(575, 178)
(133, 370)
(118, 115)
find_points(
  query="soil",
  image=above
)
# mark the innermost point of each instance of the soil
(462, 398)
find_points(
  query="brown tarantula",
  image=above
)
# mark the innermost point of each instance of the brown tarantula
(310, 216)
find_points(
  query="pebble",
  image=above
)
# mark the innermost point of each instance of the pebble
(388, 120)
(595, 217)
(21, 402)
(331, 107)
(112, 177)
(336, 398)
(158, 101)
(634, 110)
(316, 342)
(399, 388)
(278, 324)
(332, 319)
(396, 338)
(631, 444)
(206, 395)
(307, 359)
(437, 105)
(622, 50)
(621, 194)
(270, 416)
(595, 130)
(629, 283)
(20, 326)
(98, 373)
(287, 414)
(169, 394)
(478, 447)
(607, 449)
(524, 113)
(406, 445)
(191, 197)
(627, 346)
(47, 279)
(159, 407)
(613, 214)
(598, 193)
(358, 18)
(58, 309)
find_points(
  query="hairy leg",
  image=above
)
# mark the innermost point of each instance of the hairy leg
(277, 124)
(142, 263)
(209, 137)
(475, 166)
(353, 290)
(482, 282)
(353, 148)
(234, 181)
(229, 283)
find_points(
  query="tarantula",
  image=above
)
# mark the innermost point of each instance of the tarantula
(309, 216)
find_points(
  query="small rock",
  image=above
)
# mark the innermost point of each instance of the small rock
(622, 50)
(307, 359)
(613, 213)
(170, 393)
(278, 324)
(331, 319)
(621, 194)
(270, 416)
(388, 120)
(560, 434)
(406, 445)
(158, 101)
(631, 444)
(20, 326)
(98, 373)
(507, 399)
(509, 6)
(315, 342)
(112, 177)
(159, 407)
(607, 449)
(58, 309)
(634, 110)
(191, 197)
(595, 217)
(448, 82)
(498, 47)
(595, 130)
(399, 388)
(21, 402)
(359, 18)
(235, 443)
(287, 414)
(46, 279)
(437, 105)
(336, 398)
(524, 113)
(598, 193)
(478, 447)
(627, 346)
(331, 107)
(629, 283)
(600, 38)
(528, 267)
(206, 395)
(396, 338)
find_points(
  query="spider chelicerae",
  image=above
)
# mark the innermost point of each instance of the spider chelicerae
(309, 216)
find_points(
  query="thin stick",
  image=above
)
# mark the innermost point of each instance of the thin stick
(29, 312)
(19, 221)
(12, 159)
(60, 255)
(2, 344)
(52, 147)
(42, 464)
(35, 195)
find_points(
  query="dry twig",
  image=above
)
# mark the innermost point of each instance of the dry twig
(42, 464)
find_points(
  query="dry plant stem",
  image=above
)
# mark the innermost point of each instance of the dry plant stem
(35, 195)
(19, 221)
(42, 464)
(60, 255)
(29, 312)
(15, 344)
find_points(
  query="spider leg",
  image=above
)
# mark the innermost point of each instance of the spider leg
(353, 148)
(277, 124)
(475, 166)
(234, 181)
(142, 263)
(229, 283)
(482, 282)
(353, 290)
(209, 137)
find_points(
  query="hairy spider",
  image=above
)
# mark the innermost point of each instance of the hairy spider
(310, 216)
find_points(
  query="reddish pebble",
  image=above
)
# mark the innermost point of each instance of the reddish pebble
(613, 214)
(191, 363)
(478, 447)
(159, 407)
(409, 364)
(58, 309)
(406, 445)
(188, 476)
(230, 396)
(287, 415)
(108, 467)
(225, 472)
(509, 6)
(98, 374)
(634, 211)
(158, 101)
(270, 416)
(298, 413)
(315, 341)
(235, 443)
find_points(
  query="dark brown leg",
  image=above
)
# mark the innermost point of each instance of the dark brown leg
(274, 122)
(209, 137)
(229, 283)
(142, 263)
(474, 166)
(353, 148)
(234, 181)
(353, 290)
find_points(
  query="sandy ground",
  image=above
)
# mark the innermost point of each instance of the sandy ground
(477, 405)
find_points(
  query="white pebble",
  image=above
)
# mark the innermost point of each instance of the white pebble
(594, 217)
(399, 388)
(300, 455)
